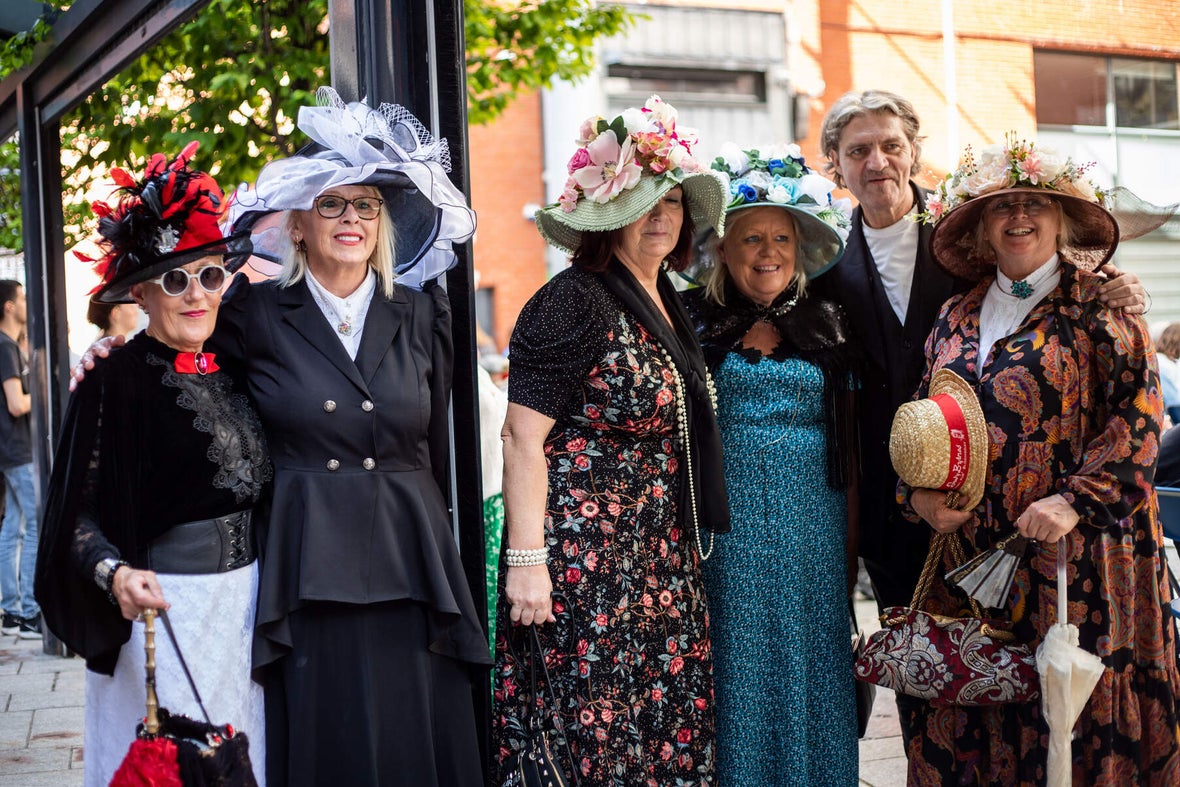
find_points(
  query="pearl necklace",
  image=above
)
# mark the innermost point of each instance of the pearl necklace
(682, 433)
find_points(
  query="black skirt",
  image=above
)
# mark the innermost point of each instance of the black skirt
(360, 701)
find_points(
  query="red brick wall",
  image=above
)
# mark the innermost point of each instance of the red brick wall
(858, 44)
(506, 166)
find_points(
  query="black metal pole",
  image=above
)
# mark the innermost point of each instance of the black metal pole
(411, 52)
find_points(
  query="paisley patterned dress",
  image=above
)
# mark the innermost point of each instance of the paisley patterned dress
(630, 652)
(1073, 408)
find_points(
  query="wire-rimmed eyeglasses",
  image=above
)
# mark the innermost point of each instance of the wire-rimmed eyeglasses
(1007, 208)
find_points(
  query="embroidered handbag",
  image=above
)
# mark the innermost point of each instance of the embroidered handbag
(171, 749)
(534, 764)
(947, 660)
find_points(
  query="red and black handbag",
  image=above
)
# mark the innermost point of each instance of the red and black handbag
(171, 750)
(947, 660)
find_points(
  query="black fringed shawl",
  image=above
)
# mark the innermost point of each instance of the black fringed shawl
(812, 329)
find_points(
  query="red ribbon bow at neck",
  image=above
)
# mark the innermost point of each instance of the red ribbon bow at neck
(195, 363)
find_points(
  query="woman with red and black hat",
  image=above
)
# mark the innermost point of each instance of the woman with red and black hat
(160, 462)
(1071, 396)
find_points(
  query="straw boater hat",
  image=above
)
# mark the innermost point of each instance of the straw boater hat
(166, 220)
(941, 442)
(620, 171)
(387, 147)
(778, 177)
(1017, 167)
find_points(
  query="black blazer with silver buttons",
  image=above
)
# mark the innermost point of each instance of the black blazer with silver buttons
(360, 452)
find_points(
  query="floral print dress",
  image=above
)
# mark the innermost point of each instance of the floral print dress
(629, 654)
(1073, 408)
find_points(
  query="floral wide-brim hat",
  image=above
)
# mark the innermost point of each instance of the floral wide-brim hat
(956, 208)
(777, 176)
(622, 168)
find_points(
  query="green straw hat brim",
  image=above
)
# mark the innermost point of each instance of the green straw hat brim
(820, 245)
(705, 193)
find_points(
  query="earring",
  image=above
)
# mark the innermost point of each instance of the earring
(301, 246)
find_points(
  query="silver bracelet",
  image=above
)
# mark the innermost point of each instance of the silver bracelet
(526, 557)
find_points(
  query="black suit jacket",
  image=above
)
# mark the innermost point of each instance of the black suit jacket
(895, 360)
(360, 450)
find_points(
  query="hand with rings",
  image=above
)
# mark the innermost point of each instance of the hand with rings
(528, 590)
(137, 590)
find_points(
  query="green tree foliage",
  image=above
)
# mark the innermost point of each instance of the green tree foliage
(235, 76)
(517, 46)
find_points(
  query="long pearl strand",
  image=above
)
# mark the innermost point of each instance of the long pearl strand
(682, 432)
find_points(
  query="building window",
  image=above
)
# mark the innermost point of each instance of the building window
(1091, 90)
(686, 84)
(1145, 94)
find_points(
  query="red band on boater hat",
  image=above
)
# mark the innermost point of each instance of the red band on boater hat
(956, 425)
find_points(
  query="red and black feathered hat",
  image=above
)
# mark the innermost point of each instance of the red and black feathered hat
(164, 221)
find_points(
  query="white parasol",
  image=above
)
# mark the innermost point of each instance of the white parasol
(1068, 676)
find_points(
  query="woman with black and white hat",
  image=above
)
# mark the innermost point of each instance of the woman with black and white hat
(160, 461)
(367, 641)
(1071, 397)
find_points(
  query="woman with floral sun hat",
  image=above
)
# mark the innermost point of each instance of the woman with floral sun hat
(786, 379)
(1073, 407)
(613, 485)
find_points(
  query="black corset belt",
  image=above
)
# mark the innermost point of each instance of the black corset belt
(208, 546)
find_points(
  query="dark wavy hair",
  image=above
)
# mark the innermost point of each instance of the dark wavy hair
(596, 250)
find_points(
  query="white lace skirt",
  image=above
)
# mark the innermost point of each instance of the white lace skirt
(213, 616)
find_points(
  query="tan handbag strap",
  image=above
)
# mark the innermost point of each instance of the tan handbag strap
(938, 544)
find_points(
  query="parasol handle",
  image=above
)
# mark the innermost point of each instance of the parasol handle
(1062, 589)
(151, 724)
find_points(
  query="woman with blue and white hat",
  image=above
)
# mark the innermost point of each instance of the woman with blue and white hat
(785, 373)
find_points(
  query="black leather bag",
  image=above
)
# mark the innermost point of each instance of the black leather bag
(535, 765)
(866, 693)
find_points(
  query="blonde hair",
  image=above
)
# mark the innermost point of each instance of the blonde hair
(381, 261)
(717, 272)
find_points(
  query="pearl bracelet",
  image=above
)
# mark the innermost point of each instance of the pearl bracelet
(526, 557)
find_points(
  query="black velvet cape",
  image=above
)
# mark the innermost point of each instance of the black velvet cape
(155, 471)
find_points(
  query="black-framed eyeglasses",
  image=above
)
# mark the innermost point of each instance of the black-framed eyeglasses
(332, 207)
(176, 281)
(1007, 208)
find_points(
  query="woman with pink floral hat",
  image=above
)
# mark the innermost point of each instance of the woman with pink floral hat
(1071, 395)
(613, 482)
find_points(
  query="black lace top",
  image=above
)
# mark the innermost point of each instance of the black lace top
(811, 328)
(143, 448)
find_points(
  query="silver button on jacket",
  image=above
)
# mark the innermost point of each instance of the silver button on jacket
(368, 464)
(367, 406)
(329, 406)
(333, 464)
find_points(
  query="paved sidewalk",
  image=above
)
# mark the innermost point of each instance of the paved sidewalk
(41, 699)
